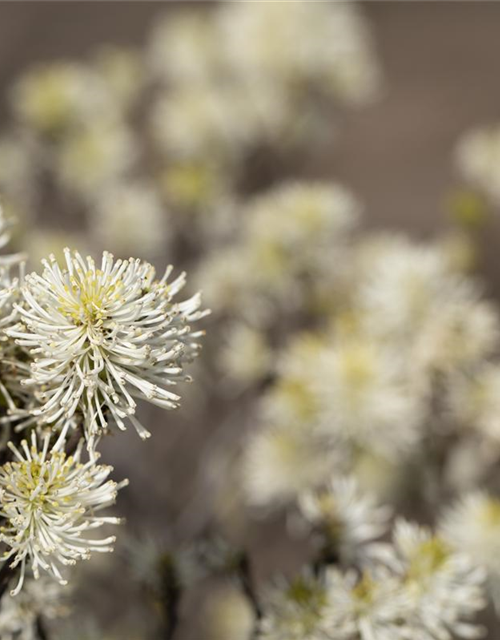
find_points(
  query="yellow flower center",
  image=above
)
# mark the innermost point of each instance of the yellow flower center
(88, 298)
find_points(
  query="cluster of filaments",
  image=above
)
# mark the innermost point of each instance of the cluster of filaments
(80, 344)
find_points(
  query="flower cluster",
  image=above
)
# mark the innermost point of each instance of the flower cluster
(418, 588)
(20, 617)
(79, 343)
(208, 111)
(101, 336)
(48, 500)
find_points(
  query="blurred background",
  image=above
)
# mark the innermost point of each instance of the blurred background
(122, 129)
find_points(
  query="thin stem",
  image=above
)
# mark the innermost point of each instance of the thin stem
(170, 598)
(41, 629)
(248, 586)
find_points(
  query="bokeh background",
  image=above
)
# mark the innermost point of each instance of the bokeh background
(440, 78)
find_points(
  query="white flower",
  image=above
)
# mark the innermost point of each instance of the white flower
(292, 235)
(445, 587)
(301, 221)
(49, 501)
(402, 285)
(348, 518)
(365, 397)
(94, 156)
(301, 44)
(478, 160)
(19, 615)
(203, 122)
(13, 361)
(409, 295)
(102, 336)
(460, 333)
(246, 356)
(294, 611)
(370, 606)
(128, 216)
(184, 49)
(52, 97)
(281, 462)
(474, 401)
(122, 71)
(472, 526)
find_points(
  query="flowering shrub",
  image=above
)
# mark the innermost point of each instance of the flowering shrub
(347, 487)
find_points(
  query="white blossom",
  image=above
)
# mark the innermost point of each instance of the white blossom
(365, 397)
(184, 49)
(348, 518)
(129, 216)
(102, 336)
(472, 526)
(301, 44)
(281, 462)
(474, 401)
(92, 157)
(19, 615)
(295, 611)
(50, 502)
(52, 97)
(478, 157)
(370, 606)
(245, 357)
(445, 587)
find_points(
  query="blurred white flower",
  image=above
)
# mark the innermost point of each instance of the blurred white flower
(445, 587)
(409, 294)
(291, 236)
(128, 217)
(301, 222)
(52, 97)
(474, 400)
(184, 49)
(293, 400)
(460, 333)
(200, 122)
(49, 501)
(13, 360)
(295, 611)
(246, 357)
(282, 462)
(403, 282)
(478, 160)
(122, 70)
(370, 606)
(301, 44)
(365, 398)
(19, 615)
(472, 526)
(102, 336)
(348, 518)
(93, 156)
